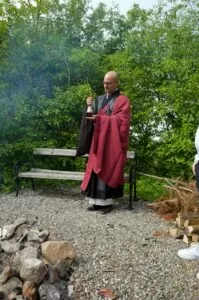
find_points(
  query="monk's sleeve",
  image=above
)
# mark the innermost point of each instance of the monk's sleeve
(123, 114)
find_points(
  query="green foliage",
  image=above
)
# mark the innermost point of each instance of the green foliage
(150, 189)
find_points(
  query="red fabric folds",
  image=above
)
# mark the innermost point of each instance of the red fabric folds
(107, 155)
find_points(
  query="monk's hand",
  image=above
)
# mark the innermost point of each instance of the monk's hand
(92, 118)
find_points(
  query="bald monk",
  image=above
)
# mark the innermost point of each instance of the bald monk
(104, 177)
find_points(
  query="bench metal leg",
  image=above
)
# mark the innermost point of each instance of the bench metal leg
(131, 188)
(17, 182)
(134, 186)
(33, 184)
(130, 195)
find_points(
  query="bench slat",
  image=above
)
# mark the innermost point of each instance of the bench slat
(56, 152)
(67, 152)
(56, 174)
(46, 175)
(56, 171)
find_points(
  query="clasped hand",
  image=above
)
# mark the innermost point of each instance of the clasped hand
(92, 118)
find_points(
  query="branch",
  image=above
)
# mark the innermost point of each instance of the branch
(173, 188)
(164, 179)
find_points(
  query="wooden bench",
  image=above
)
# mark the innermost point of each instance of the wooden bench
(34, 173)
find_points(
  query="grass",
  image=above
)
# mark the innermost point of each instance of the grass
(150, 189)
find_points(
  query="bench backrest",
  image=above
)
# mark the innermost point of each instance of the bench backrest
(67, 152)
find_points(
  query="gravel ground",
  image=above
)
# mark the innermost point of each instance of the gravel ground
(116, 251)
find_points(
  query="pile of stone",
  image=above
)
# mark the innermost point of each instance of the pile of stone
(35, 266)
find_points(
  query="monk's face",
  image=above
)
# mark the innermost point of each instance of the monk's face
(110, 84)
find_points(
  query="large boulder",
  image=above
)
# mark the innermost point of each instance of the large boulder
(33, 270)
(56, 251)
(38, 236)
(10, 247)
(29, 252)
(49, 291)
(7, 273)
(3, 296)
(12, 284)
(9, 230)
(63, 269)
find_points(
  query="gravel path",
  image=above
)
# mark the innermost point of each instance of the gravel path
(117, 251)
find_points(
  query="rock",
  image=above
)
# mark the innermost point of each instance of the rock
(107, 293)
(22, 231)
(11, 285)
(52, 274)
(33, 269)
(18, 259)
(12, 296)
(56, 272)
(3, 296)
(10, 247)
(18, 291)
(29, 252)
(7, 273)
(48, 291)
(32, 244)
(62, 286)
(55, 251)
(29, 290)
(9, 230)
(15, 261)
(38, 236)
(70, 290)
(63, 269)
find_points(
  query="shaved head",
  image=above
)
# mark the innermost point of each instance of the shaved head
(111, 82)
(113, 75)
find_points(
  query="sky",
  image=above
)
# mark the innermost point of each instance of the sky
(125, 5)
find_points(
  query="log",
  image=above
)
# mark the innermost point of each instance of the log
(176, 232)
(195, 238)
(192, 229)
(173, 231)
(179, 222)
(187, 239)
(191, 222)
(182, 217)
(189, 215)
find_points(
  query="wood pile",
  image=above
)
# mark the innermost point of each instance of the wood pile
(181, 197)
(182, 205)
(186, 227)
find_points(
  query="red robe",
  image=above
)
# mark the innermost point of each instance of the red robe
(108, 151)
